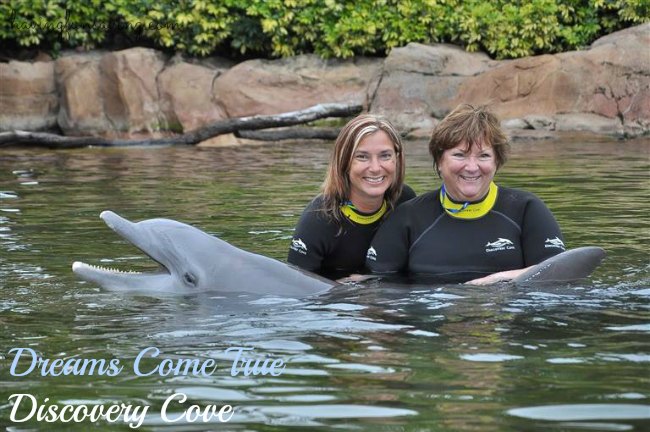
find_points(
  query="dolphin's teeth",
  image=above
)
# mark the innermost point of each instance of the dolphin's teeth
(112, 270)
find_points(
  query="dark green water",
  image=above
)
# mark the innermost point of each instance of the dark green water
(373, 357)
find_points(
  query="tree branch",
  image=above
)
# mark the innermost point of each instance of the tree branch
(43, 139)
(292, 133)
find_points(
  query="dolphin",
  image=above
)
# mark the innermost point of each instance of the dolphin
(193, 261)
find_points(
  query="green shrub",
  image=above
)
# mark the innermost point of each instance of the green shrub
(51, 25)
(330, 28)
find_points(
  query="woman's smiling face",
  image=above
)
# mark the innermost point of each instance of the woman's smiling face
(467, 173)
(373, 166)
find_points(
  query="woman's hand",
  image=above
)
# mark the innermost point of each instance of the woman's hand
(503, 276)
(355, 278)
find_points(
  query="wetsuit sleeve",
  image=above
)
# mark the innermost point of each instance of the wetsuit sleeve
(307, 249)
(541, 234)
(389, 249)
(407, 194)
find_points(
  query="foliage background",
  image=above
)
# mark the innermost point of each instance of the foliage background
(330, 28)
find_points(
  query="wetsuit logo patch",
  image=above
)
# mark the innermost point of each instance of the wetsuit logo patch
(299, 246)
(554, 243)
(371, 254)
(500, 244)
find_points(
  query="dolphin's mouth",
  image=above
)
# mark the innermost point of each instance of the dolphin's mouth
(130, 232)
(78, 265)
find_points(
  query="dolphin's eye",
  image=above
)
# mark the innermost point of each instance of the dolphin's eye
(189, 279)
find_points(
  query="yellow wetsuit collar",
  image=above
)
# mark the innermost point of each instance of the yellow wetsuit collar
(352, 213)
(469, 210)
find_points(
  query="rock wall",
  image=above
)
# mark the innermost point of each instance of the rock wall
(419, 83)
(140, 92)
(28, 96)
(276, 86)
(605, 89)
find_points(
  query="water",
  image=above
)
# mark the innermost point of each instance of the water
(373, 357)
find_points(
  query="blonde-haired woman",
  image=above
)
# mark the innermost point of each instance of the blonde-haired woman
(364, 183)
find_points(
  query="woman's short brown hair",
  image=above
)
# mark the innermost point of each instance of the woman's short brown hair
(473, 126)
(336, 187)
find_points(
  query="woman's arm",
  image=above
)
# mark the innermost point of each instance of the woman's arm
(503, 276)
(307, 248)
(541, 239)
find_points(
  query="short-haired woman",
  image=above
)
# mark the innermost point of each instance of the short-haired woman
(469, 230)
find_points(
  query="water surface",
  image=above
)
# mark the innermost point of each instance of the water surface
(375, 357)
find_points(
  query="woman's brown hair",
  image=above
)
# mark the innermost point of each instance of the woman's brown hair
(473, 126)
(336, 187)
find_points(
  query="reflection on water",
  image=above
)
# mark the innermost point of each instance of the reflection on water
(369, 357)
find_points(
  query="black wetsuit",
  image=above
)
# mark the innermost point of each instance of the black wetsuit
(420, 238)
(330, 249)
